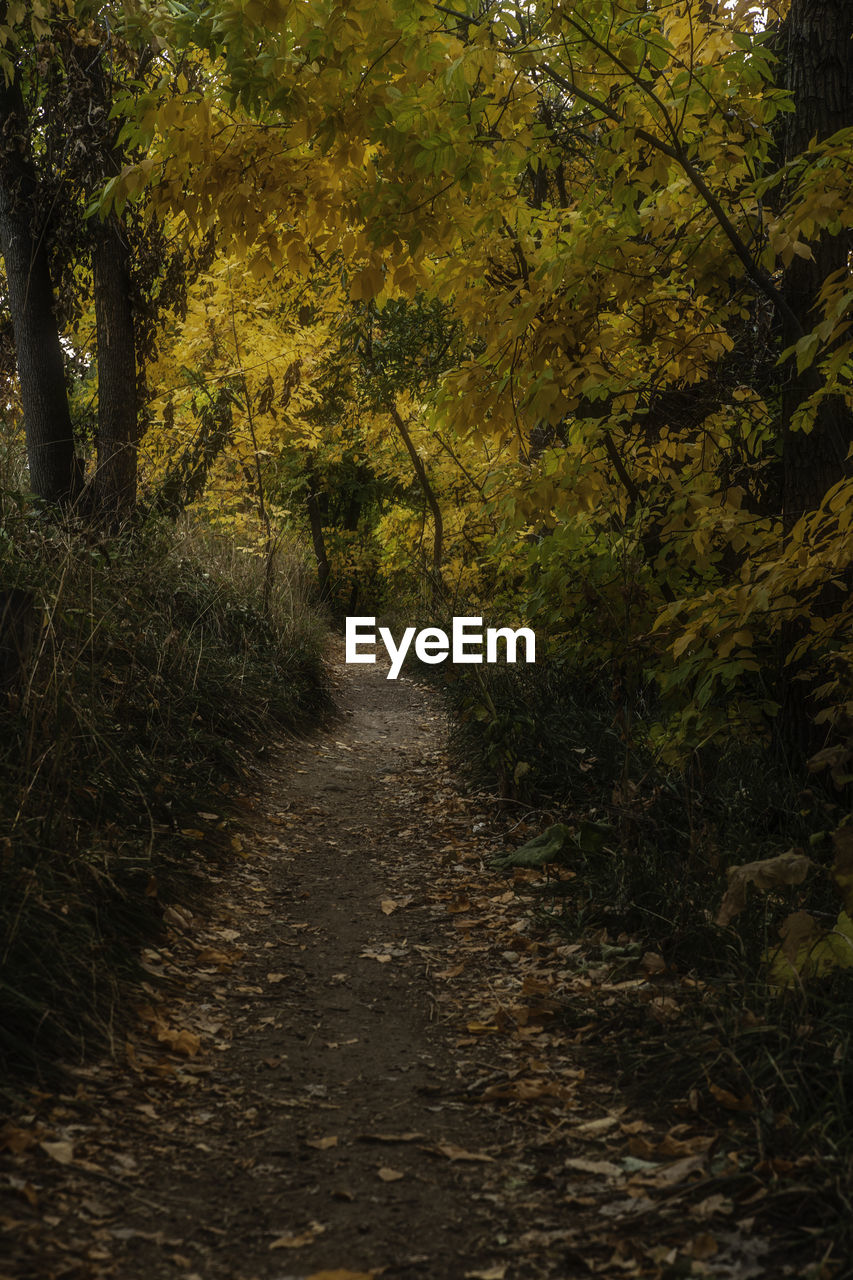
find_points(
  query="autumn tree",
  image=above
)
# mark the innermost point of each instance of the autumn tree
(598, 193)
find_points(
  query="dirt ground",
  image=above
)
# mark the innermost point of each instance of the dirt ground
(358, 1063)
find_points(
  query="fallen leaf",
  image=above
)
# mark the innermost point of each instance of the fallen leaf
(390, 1175)
(593, 1127)
(381, 956)
(298, 1240)
(528, 1090)
(387, 906)
(668, 1175)
(185, 1042)
(176, 918)
(492, 1273)
(61, 1152)
(26, 1189)
(459, 1153)
(704, 1246)
(675, 1147)
(711, 1205)
(640, 1146)
(16, 1140)
(276, 977)
(322, 1144)
(210, 955)
(731, 1101)
(339, 1274)
(601, 1168)
(664, 1009)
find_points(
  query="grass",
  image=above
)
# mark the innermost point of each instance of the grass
(144, 674)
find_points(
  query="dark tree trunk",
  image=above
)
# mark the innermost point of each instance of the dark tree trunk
(315, 518)
(432, 502)
(115, 479)
(114, 486)
(47, 419)
(817, 48)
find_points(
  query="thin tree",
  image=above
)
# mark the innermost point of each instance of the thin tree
(24, 245)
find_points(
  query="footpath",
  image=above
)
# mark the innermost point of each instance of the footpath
(370, 1056)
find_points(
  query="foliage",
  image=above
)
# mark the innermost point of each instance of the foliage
(598, 201)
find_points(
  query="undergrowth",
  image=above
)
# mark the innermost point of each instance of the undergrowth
(773, 1067)
(137, 671)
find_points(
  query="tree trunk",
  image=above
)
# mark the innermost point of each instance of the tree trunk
(114, 486)
(818, 55)
(817, 52)
(41, 373)
(315, 518)
(432, 502)
(115, 479)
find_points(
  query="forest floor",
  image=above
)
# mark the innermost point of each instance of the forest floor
(355, 1061)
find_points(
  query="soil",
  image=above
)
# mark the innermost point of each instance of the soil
(355, 1064)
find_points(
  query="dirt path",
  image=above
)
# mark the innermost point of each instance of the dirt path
(357, 1065)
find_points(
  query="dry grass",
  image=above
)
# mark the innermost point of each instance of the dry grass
(142, 676)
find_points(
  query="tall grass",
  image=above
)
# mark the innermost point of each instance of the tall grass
(147, 675)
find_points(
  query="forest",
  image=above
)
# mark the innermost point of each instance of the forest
(536, 313)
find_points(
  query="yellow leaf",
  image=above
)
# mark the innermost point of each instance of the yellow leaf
(185, 1042)
(367, 284)
(341, 1274)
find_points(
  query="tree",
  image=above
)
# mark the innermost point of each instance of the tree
(68, 68)
(596, 193)
(816, 48)
(87, 68)
(24, 245)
